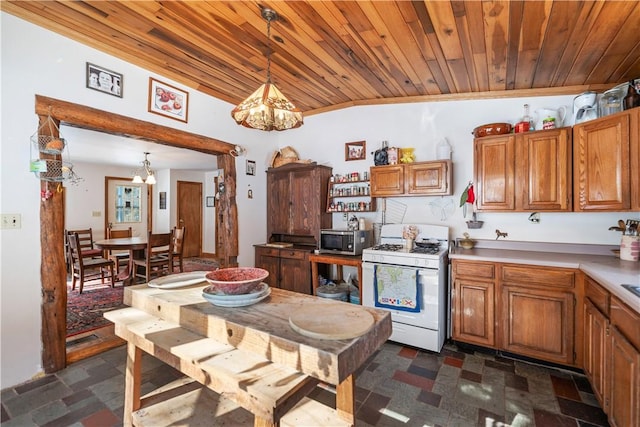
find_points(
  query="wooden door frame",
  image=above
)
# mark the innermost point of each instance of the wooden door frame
(53, 271)
(106, 202)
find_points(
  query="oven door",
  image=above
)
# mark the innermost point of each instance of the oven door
(430, 314)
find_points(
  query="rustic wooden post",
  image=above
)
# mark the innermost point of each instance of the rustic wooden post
(227, 214)
(53, 269)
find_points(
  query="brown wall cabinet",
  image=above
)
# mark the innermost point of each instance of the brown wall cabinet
(412, 179)
(524, 172)
(494, 305)
(289, 268)
(606, 162)
(612, 354)
(296, 201)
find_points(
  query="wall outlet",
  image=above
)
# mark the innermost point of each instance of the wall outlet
(11, 221)
(345, 216)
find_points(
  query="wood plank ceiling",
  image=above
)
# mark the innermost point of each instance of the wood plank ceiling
(334, 54)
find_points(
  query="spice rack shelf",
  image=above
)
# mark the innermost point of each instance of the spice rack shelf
(350, 196)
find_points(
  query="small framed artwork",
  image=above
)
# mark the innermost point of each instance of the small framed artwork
(168, 101)
(355, 150)
(251, 167)
(103, 80)
(162, 200)
(210, 201)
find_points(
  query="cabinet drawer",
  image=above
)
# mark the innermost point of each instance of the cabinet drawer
(268, 251)
(598, 296)
(538, 276)
(626, 321)
(293, 254)
(474, 269)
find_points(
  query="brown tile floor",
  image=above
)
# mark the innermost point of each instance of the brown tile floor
(400, 386)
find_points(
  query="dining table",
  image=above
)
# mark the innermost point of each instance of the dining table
(300, 336)
(135, 246)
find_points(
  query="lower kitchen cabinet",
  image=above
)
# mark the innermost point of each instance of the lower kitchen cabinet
(289, 268)
(473, 308)
(521, 309)
(612, 354)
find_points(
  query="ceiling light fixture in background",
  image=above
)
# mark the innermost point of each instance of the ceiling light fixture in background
(267, 108)
(146, 168)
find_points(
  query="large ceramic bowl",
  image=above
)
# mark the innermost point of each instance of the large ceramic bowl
(236, 281)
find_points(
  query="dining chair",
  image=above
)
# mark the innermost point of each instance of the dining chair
(178, 243)
(85, 237)
(87, 268)
(157, 259)
(121, 258)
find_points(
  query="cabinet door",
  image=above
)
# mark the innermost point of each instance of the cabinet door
(387, 180)
(429, 179)
(596, 327)
(494, 168)
(295, 271)
(543, 172)
(278, 203)
(538, 323)
(304, 206)
(269, 259)
(474, 317)
(601, 164)
(624, 404)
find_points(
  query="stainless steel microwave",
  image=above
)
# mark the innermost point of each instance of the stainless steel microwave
(345, 242)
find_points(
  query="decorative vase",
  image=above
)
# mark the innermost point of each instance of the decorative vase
(630, 248)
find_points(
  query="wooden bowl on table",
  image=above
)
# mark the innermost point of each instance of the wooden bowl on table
(237, 280)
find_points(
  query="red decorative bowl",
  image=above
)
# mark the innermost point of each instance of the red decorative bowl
(236, 281)
(492, 129)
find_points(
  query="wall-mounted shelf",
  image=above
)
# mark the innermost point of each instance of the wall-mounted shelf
(350, 196)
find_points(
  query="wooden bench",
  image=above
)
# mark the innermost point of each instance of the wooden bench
(273, 393)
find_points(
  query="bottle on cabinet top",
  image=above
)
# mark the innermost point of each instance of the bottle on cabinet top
(526, 123)
(633, 98)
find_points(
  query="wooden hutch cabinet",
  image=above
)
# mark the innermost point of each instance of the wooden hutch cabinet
(412, 179)
(528, 171)
(296, 212)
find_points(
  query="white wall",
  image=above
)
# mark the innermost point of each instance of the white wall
(35, 61)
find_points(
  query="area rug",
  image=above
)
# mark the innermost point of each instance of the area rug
(85, 311)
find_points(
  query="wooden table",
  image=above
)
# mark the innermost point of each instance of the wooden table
(135, 245)
(264, 329)
(339, 260)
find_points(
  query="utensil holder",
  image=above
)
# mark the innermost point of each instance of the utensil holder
(630, 248)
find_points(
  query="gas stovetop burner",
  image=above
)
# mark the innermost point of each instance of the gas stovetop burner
(387, 247)
(431, 250)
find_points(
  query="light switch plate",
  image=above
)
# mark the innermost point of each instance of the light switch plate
(11, 221)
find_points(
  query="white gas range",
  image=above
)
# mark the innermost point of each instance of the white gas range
(410, 283)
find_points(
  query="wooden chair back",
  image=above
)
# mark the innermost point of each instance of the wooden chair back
(87, 268)
(113, 233)
(157, 260)
(178, 243)
(121, 258)
(85, 242)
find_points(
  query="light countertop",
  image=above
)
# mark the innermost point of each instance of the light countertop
(596, 261)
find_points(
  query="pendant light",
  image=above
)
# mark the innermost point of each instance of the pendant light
(267, 108)
(146, 169)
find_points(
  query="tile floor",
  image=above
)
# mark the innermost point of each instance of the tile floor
(399, 386)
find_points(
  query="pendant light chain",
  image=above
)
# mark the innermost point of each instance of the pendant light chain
(269, 18)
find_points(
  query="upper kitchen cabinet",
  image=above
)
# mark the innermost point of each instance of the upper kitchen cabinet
(606, 162)
(524, 172)
(412, 179)
(296, 209)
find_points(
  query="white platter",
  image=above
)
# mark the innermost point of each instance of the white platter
(179, 280)
(237, 303)
(214, 294)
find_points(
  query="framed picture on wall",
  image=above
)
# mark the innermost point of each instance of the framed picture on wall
(162, 200)
(210, 201)
(168, 101)
(103, 80)
(355, 150)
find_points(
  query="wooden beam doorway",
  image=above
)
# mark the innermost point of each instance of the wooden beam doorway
(52, 261)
